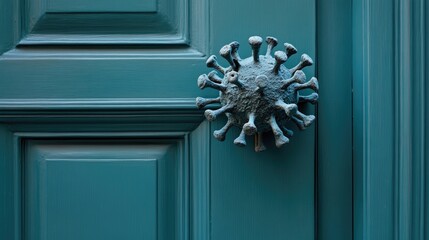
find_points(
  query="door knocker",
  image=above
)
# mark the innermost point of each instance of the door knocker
(258, 93)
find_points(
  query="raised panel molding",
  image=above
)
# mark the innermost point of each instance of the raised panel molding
(390, 108)
(143, 114)
(94, 121)
(55, 22)
(179, 25)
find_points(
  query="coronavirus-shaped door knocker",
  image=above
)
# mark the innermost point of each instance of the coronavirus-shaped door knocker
(258, 94)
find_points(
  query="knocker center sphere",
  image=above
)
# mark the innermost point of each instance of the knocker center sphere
(258, 93)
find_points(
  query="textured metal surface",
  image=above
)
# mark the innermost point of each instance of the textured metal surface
(258, 94)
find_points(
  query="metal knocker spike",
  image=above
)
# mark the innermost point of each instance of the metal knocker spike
(258, 93)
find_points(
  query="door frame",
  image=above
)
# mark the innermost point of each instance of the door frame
(378, 54)
(334, 148)
(390, 119)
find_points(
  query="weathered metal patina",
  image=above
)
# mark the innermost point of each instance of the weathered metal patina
(258, 94)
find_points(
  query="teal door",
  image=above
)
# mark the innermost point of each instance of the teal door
(100, 137)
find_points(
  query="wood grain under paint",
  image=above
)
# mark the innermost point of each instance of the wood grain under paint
(389, 143)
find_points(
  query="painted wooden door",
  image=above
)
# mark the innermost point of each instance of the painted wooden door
(100, 137)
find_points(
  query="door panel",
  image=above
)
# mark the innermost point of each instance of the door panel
(94, 190)
(266, 194)
(75, 77)
(72, 184)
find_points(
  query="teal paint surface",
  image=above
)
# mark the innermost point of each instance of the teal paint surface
(171, 184)
(9, 25)
(54, 88)
(373, 120)
(334, 123)
(266, 194)
(390, 115)
(101, 6)
(200, 190)
(8, 219)
(89, 191)
(103, 23)
(60, 22)
(98, 189)
(390, 119)
(80, 78)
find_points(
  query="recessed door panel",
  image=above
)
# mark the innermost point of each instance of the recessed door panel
(101, 190)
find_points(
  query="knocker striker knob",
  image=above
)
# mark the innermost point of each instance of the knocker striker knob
(258, 94)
